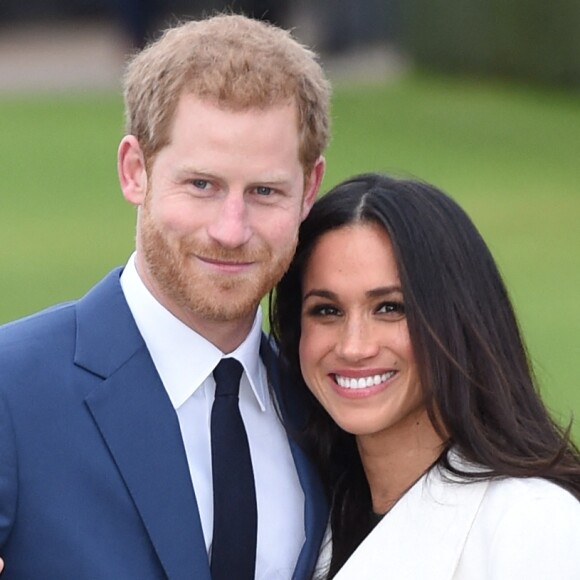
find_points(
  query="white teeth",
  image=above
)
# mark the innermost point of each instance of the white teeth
(364, 382)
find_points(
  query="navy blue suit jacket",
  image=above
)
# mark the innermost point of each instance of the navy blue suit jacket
(94, 481)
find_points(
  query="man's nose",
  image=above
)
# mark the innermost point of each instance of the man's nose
(230, 226)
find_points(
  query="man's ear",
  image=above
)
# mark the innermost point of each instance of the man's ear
(132, 171)
(313, 182)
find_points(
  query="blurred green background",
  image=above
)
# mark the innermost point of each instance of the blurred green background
(508, 153)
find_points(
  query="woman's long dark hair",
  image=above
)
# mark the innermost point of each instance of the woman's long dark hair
(472, 362)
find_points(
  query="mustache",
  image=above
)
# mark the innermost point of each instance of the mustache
(217, 252)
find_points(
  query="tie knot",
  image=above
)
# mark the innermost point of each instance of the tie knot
(227, 377)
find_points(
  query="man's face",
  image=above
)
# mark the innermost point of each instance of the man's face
(221, 208)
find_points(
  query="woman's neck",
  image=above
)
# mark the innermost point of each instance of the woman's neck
(396, 458)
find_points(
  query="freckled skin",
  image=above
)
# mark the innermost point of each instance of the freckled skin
(354, 325)
(218, 212)
(360, 334)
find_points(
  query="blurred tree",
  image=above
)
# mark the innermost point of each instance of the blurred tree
(531, 40)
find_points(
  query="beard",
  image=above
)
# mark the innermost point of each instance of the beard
(212, 296)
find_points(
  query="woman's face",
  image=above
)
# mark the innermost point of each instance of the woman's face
(355, 352)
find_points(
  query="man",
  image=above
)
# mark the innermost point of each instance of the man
(105, 404)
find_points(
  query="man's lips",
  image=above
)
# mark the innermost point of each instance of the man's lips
(226, 265)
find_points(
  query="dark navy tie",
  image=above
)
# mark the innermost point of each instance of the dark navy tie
(235, 515)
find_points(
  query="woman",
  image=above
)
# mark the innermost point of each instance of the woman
(440, 459)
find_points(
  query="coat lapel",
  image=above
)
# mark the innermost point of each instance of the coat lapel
(424, 534)
(315, 502)
(140, 428)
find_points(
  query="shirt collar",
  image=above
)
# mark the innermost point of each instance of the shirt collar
(183, 358)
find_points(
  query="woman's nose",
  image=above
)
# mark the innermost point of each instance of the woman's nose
(357, 341)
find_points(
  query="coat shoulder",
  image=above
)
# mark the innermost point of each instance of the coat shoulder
(526, 527)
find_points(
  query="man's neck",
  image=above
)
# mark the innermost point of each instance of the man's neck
(226, 335)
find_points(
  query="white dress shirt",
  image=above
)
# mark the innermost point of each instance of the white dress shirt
(185, 362)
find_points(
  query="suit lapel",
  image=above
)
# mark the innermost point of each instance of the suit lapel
(315, 503)
(140, 428)
(424, 534)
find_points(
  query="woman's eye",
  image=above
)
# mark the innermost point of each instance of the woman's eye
(394, 309)
(323, 310)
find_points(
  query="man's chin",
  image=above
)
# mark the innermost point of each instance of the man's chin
(225, 312)
(224, 303)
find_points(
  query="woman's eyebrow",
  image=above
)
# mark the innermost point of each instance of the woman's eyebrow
(376, 292)
(320, 294)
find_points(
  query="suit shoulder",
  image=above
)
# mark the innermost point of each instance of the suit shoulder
(38, 326)
(54, 323)
(35, 346)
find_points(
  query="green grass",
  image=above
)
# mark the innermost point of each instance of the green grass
(64, 222)
(509, 155)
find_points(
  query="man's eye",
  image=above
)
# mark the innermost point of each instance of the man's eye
(263, 190)
(200, 183)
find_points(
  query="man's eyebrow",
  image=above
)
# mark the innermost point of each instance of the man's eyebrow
(187, 171)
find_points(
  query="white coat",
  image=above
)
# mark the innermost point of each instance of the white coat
(503, 529)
